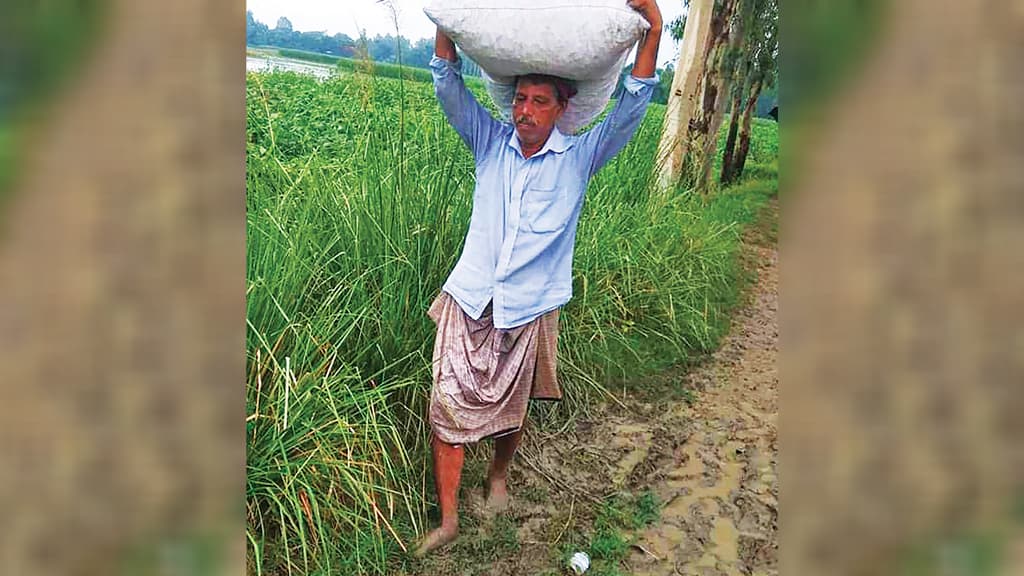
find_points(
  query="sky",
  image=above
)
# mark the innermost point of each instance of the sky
(348, 16)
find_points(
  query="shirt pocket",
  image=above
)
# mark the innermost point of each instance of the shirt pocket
(547, 209)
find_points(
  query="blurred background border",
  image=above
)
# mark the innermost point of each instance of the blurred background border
(122, 269)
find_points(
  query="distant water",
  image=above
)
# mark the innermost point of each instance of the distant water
(264, 64)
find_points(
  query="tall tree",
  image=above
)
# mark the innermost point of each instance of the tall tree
(748, 18)
(762, 71)
(702, 133)
(682, 100)
(729, 65)
(256, 32)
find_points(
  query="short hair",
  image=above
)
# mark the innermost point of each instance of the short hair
(564, 89)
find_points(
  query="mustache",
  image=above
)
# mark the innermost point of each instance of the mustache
(524, 120)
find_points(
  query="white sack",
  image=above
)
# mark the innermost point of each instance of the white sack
(583, 40)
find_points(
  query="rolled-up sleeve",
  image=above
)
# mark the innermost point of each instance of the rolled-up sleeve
(612, 134)
(471, 121)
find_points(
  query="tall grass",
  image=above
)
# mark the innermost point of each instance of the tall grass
(342, 261)
(355, 217)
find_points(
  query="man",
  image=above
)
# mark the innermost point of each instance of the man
(497, 314)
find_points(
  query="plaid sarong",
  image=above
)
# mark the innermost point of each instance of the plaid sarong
(484, 377)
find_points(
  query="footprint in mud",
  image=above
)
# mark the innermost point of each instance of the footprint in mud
(699, 512)
(636, 440)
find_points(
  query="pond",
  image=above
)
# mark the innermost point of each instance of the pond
(267, 63)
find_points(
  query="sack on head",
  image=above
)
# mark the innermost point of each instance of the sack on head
(586, 41)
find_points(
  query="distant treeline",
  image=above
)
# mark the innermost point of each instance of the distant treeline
(387, 49)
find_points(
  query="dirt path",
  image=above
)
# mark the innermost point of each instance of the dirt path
(719, 481)
(706, 450)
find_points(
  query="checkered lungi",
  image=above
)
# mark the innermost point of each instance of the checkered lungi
(484, 377)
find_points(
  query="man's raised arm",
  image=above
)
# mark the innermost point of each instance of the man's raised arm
(612, 134)
(472, 121)
(647, 53)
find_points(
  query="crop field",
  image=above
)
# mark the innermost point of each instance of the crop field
(358, 199)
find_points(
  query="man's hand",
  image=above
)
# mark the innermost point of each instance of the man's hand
(444, 47)
(647, 52)
(649, 10)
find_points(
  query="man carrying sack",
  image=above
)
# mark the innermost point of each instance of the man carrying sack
(497, 314)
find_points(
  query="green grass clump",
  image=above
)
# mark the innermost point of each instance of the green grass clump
(610, 543)
(358, 199)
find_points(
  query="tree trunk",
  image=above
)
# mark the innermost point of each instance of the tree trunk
(700, 138)
(748, 114)
(740, 89)
(728, 58)
(730, 140)
(682, 100)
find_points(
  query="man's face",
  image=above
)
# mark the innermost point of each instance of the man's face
(535, 109)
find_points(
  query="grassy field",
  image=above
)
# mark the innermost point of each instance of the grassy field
(358, 199)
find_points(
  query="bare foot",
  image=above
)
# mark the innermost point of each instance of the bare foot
(497, 495)
(437, 538)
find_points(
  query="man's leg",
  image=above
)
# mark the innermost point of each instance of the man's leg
(504, 449)
(447, 472)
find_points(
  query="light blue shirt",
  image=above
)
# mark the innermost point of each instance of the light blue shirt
(518, 250)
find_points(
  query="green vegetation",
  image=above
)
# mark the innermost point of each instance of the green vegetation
(358, 199)
(613, 533)
(618, 513)
(391, 70)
